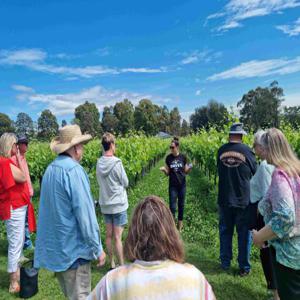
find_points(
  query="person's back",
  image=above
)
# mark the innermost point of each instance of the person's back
(68, 236)
(159, 280)
(60, 208)
(236, 165)
(157, 269)
(113, 181)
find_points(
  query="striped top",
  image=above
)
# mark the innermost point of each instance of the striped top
(157, 280)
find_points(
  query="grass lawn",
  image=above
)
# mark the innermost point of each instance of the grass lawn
(200, 235)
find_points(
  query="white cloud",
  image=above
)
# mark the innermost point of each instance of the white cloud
(291, 30)
(196, 56)
(292, 99)
(103, 51)
(190, 60)
(236, 11)
(143, 70)
(198, 93)
(64, 104)
(22, 88)
(35, 59)
(22, 57)
(260, 68)
(66, 56)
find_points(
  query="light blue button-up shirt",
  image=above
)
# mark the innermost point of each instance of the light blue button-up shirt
(67, 224)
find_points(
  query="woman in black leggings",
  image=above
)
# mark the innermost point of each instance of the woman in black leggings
(176, 168)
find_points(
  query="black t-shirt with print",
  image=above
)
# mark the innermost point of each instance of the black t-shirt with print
(236, 165)
(176, 165)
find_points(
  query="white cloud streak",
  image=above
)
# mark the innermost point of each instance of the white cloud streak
(196, 56)
(260, 68)
(236, 11)
(23, 88)
(35, 59)
(103, 51)
(291, 30)
(65, 104)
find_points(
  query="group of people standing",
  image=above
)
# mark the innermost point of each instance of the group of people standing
(68, 235)
(263, 203)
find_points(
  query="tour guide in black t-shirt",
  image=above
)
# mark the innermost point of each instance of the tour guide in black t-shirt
(176, 168)
(236, 165)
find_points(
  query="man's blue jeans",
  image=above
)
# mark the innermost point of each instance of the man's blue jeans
(229, 218)
(174, 193)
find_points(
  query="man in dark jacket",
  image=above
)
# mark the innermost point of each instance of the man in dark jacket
(236, 165)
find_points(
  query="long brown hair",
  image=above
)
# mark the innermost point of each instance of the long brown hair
(279, 152)
(152, 234)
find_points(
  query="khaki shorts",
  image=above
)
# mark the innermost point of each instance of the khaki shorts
(76, 284)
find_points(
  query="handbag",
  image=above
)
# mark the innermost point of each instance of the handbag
(28, 280)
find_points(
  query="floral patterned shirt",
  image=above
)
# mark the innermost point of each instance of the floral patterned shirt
(281, 211)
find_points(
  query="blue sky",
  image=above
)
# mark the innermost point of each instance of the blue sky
(57, 54)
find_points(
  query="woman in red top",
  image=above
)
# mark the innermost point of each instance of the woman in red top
(14, 198)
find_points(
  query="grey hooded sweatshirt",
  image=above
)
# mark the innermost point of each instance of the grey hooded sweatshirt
(112, 181)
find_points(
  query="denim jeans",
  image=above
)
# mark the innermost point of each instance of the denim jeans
(229, 217)
(174, 193)
(27, 241)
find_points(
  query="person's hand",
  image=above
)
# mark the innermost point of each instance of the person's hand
(163, 169)
(101, 259)
(18, 157)
(257, 241)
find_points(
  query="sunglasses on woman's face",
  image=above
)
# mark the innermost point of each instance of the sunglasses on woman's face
(172, 147)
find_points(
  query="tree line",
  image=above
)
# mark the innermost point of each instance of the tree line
(258, 108)
(119, 119)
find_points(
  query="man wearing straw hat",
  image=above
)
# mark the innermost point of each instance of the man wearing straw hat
(68, 235)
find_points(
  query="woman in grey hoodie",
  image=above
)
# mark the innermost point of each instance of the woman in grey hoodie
(113, 201)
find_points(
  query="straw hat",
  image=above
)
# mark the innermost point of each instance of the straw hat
(69, 136)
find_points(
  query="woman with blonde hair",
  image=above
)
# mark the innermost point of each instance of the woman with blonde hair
(259, 186)
(157, 269)
(14, 198)
(281, 211)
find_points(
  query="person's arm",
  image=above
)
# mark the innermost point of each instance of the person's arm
(165, 169)
(260, 183)
(84, 210)
(187, 167)
(283, 210)
(123, 176)
(17, 174)
(263, 235)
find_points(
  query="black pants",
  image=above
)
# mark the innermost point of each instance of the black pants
(288, 280)
(266, 258)
(174, 193)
